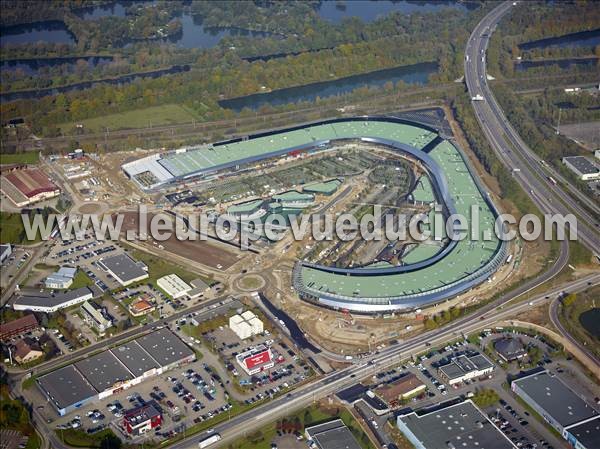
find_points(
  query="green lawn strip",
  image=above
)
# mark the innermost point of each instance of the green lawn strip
(80, 438)
(168, 114)
(30, 157)
(80, 280)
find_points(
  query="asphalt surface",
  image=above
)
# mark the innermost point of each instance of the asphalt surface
(531, 173)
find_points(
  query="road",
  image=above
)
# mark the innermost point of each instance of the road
(512, 150)
(554, 306)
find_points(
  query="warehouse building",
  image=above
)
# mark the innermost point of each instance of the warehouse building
(331, 435)
(246, 325)
(49, 302)
(25, 186)
(256, 359)
(106, 373)
(553, 400)
(114, 370)
(167, 349)
(17, 327)
(173, 286)
(67, 389)
(62, 279)
(124, 269)
(460, 425)
(585, 435)
(585, 169)
(464, 368)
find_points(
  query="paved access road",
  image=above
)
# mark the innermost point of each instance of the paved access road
(510, 148)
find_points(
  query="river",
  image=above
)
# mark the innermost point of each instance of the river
(581, 39)
(411, 74)
(522, 66)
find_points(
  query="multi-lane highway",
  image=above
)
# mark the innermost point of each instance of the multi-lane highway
(526, 166)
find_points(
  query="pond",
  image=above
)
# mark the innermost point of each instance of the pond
(590, 320)
(411, 74)
(562, 63)
(581, 39)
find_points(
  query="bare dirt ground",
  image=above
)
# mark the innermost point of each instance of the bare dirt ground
(199, 251)
(585, 134)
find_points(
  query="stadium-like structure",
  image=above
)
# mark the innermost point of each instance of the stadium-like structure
(434, 274)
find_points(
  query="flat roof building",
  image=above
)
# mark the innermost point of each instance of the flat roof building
(49, 302)
(5, 252)
(67, 389)
(105, 372)
(173, 285)
(585, 435)
(553, 400)
(584, 168)
(124, 269)
(166, 348)
(331, 435)
(256, 359)
(465, 367)
(246, 325)
(460, 425)
(108, 372)
(61, 279)
(142, 419)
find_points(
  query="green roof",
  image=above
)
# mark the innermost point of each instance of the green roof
(323, 187)
(292, 195)
(197, 159)
(466, 258)
(421, 252)
(423, 191)
(245, 208)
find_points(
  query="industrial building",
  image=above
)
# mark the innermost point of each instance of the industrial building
(17, 327)
(584, 435)
(49, 302)
(331, 435)
(25, 186)
(5, 252)
(61, 279)
(96, 316)
(359, 289)
(509, 349)
(246, 325)
(464, 368)
(111, 371)
(460, 425)
(142, 419)
(256, 359)
(173, 286)
(124, 269)
(394, 393)
(585, 169)
(554, 401)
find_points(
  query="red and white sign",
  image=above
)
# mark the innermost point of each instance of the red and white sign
(258, 359)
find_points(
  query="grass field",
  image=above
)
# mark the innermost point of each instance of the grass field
(12, 230)
(31, 157)
(140, 118)
(81, 279)
(570, 315)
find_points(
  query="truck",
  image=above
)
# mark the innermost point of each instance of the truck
(552, 180)
(210, 440)
(477, 97)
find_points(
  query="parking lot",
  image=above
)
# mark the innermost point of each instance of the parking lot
(200, 391)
